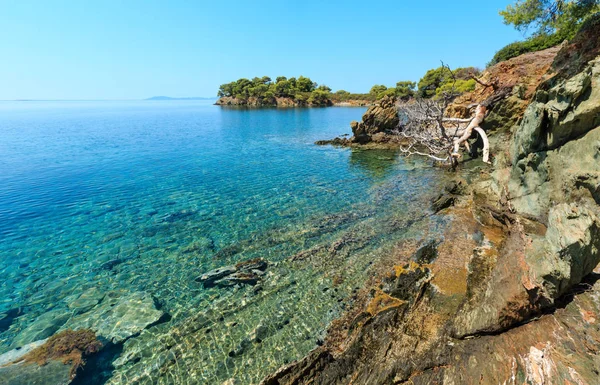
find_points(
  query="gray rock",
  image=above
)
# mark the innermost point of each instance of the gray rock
(14, 355)
(573, 238)
(43, 327)
(244, 273)
(53, 373)
(117, 319)
(86, 301)
(209, 278)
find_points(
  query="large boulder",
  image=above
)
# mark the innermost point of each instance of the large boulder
(379, 118)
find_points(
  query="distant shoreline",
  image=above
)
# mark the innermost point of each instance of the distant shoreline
(286, 102)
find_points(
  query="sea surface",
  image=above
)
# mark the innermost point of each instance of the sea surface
(113, 200)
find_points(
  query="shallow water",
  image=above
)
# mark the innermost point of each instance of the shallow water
(122, 197)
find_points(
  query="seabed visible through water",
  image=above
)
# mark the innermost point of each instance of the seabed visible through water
(127, 204)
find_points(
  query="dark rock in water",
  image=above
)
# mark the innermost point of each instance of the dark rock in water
(111, 264)
(252, 264)
(99, 367)
(452, 191)
(426, 253)
(238, 278)
(214, 275)
(174, 217)
(334, 142)
(443, 201)
(7, 318)
(247, 272)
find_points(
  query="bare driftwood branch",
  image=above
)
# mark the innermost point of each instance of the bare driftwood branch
(493, 84)
(428, 132)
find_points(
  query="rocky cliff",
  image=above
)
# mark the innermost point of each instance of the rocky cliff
(510, 294)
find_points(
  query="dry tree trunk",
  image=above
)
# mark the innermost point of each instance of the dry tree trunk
(486, 144)
(473, 125)
(428, 132)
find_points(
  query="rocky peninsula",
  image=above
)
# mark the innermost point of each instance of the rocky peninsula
(510, 293)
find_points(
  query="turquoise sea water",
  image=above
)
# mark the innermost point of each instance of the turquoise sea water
(115, 198)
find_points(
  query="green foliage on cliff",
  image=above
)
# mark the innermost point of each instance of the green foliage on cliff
(301, 89)
(548, 16)
(533, 44)
(552, 22)
(439, 80)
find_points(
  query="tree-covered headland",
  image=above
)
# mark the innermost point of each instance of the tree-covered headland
(263, 91)
(303, 91)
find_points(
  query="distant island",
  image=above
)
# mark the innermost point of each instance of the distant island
(288, 92)
(304, 92)
(170, 98)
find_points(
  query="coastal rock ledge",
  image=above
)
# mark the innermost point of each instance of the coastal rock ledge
(511, 293)
(377, 125)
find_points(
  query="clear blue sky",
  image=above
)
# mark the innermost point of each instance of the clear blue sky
(133, 49)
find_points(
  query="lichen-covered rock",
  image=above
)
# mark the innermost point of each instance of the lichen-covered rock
(565, 111)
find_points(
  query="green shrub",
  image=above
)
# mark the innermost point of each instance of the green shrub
(436, 81)
(532, 44)
(461, 86)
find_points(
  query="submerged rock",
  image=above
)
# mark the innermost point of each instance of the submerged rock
(53, 373)
(6, 319)
(43, 327)
(247, 272)
(54, 361)
(452, 191)
(209, 278)
(15, 355)
(118, 318)
(85, 301)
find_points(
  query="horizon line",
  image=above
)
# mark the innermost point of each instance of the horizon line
(108, 100)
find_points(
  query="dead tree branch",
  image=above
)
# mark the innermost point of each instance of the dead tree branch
(428, 132)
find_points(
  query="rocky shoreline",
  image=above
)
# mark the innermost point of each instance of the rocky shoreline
(504, 290)
(253, 102)
(510, 293)
(376, 127)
